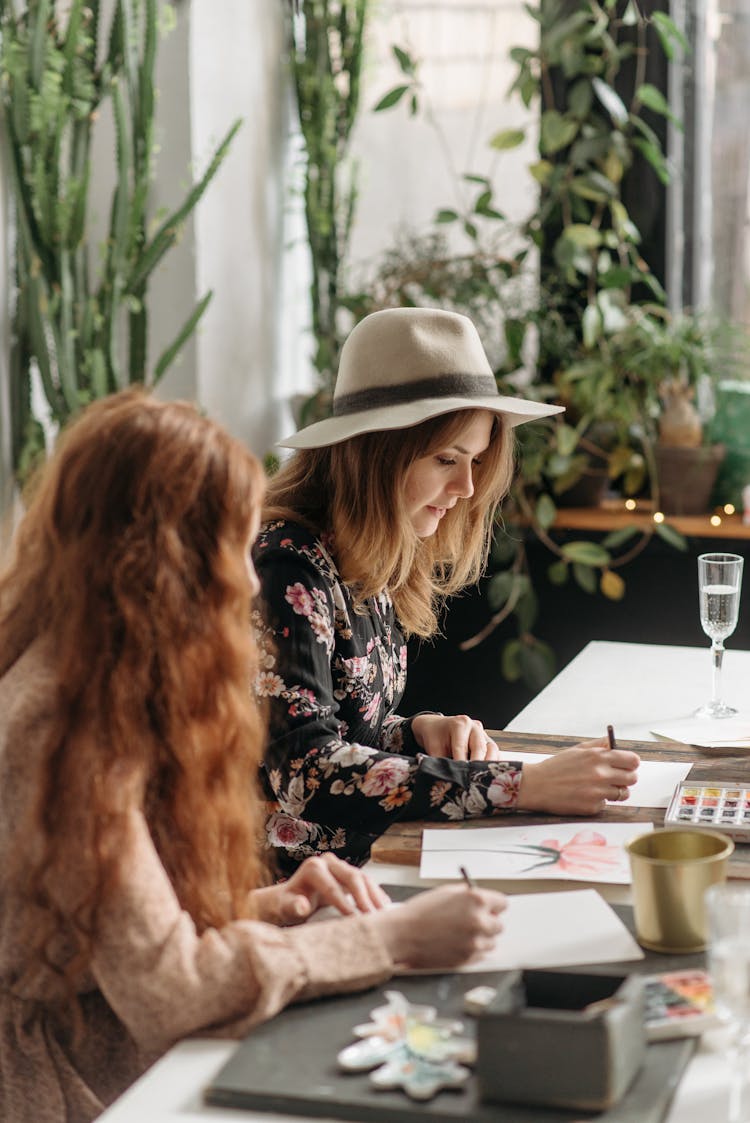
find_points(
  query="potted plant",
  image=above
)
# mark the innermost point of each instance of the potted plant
(682, 361)
(638, 390)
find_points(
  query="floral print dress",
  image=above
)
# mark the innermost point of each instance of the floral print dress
(341, 764)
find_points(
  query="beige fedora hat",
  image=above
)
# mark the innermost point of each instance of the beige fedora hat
(402, 366)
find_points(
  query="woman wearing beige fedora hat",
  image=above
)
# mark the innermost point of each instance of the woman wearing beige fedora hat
(384, 510)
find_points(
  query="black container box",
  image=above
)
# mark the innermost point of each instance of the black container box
(561, 1039)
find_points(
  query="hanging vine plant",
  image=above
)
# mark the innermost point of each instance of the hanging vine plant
(79, 323)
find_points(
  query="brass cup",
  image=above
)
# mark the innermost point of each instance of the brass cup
(671, 871)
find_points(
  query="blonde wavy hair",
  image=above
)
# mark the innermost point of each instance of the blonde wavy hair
(355, 490)
(131, 563)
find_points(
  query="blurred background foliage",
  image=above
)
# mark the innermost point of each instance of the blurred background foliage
(80, 313)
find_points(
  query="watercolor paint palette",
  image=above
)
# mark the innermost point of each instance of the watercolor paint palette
(678, 1004)
(712, 806)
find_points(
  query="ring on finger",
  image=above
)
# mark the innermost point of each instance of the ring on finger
(622, 793)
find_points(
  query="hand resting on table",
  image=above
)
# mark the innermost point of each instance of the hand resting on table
(319, 882)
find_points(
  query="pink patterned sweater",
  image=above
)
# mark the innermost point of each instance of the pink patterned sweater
(153, 979)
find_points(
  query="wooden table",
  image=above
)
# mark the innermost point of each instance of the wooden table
(401, 844)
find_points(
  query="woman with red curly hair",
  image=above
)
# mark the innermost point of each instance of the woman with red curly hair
(135, 907)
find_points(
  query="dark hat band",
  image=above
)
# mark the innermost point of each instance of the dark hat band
(442, 386)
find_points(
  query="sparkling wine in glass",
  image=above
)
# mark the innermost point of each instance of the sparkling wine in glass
(728, 916)
(719, 581)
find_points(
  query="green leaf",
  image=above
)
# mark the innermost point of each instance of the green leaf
(537, 664)
(654, 99)
(542, 171)
(504, 547)
(655, 157)
(669, 34)
(585, 553)
(671, 536)
(499, 589)
(630, 17)
(558, 573)
(391, 98)
(584, 237)
(634, 479)
(585, 577)
(619, 460)
(567, 439)
(446, 216)
(595, 190)
(591, 325)
(470, 230)
(611, 101)
(613, 307)
(405, 61)
(526, 609)
(511, 660)
(580, 98)
(169, 354)
(557, 132)
(167, 233)
(546, 511)
(483, 201)
(507, 138)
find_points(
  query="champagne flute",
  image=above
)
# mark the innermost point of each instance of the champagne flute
(728, 917)
(719, 580)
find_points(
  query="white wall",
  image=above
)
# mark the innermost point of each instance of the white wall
(237, 70)
(407, 171)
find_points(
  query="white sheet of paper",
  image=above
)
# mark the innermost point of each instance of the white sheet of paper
(557, 930)
(709, 733)
(657, 779)
(553, 851)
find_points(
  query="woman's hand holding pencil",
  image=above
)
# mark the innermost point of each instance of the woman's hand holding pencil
(580, 780)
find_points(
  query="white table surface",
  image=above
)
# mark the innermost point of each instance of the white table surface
(631, 686)
(170, 1092)
(628, 685)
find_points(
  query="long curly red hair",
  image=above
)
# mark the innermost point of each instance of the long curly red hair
(132, 561)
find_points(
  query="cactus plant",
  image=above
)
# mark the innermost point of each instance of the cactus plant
(82, 325)
(326, 54)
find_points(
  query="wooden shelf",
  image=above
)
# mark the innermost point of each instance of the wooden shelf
(612, 515)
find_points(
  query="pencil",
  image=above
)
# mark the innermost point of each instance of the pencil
(467, 877)
(611, 737)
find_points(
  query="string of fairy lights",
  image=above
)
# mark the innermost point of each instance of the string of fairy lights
(715, 519)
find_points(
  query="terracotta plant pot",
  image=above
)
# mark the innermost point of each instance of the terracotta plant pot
(687, 477)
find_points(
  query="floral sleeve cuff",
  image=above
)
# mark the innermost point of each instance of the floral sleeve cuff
(397, 737)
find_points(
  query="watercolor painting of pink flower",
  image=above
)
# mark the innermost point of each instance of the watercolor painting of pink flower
(586, 853)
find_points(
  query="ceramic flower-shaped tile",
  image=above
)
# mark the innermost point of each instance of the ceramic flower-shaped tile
(409, 1047)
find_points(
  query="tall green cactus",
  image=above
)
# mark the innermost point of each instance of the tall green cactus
(82, 326)
(326, 61)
